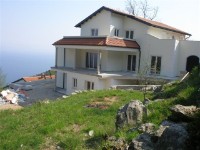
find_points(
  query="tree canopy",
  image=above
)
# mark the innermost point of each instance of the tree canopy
(141, 8)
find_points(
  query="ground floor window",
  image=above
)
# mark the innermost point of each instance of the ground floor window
(74, 83)
(155, 65)
(89, 85)
(91, 60)
(131, 65)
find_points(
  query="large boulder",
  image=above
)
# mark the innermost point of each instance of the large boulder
(132, 114)
(172, 136)
(182, 113)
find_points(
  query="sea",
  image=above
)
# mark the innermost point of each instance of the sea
(16, 65)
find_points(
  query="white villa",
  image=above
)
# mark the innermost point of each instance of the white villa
(114, 46)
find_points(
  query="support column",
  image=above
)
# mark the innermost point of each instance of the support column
(99, 63)
(75, 58)
(56, 57)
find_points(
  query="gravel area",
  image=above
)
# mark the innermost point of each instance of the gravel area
(41, 90)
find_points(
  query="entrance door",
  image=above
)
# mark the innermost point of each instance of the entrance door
(192, 61)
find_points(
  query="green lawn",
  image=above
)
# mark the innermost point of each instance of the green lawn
(63, 123)
(66, 122)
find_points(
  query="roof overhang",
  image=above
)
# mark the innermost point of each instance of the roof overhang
(98, 43)
(97, 48)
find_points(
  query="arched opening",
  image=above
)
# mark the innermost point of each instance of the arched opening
(192, 61)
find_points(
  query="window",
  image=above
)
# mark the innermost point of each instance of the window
(94, 32)
(74, 82)
(91, 60)
(155, 65)
(89, 85)
(129, 34)
(116, 32)
(131, 65)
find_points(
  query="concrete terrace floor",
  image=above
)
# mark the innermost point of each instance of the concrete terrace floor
(42, 90)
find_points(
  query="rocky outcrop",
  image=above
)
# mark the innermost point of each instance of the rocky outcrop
(142, 142)
(182, 113)
(115, 144)
(147, 128)
(132, 114)
(170, 135)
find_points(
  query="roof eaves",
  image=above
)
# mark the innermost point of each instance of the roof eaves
(129, 16)
(177, 31)
(90, 16)
(156, 26)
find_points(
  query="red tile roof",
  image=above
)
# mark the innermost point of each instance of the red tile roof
(98, 41)
(36, 78)
(140, 19)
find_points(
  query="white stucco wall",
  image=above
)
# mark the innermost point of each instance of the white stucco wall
(140, 29)
(117, 22)
(59, 79)
(152, 46)
(186, 49)
(117, 61)
(101, 21)
(70, 58)
(81, 82)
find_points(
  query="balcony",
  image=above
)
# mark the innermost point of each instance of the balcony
(102, 74)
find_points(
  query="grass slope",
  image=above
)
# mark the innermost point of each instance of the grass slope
(63, 123)
(66, 123)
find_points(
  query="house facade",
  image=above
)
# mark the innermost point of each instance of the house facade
(114, 47)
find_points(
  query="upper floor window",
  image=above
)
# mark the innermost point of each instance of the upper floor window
(155, 65)
(129, 34)
(94, 32)
(116, 32)
(131, 65)
(91, 60)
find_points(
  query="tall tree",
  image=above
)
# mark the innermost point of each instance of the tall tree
(141, 8)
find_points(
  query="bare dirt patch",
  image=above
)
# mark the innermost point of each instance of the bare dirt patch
(76, 128)
(102, 103)
(49, 144)
(10, 106)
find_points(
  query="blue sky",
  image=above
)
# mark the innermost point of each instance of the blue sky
(34, 25)
(29, 27)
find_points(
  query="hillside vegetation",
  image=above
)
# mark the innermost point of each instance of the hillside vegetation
(66, 123)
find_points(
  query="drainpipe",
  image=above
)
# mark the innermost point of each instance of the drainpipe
(99, 63)
(139, 59)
